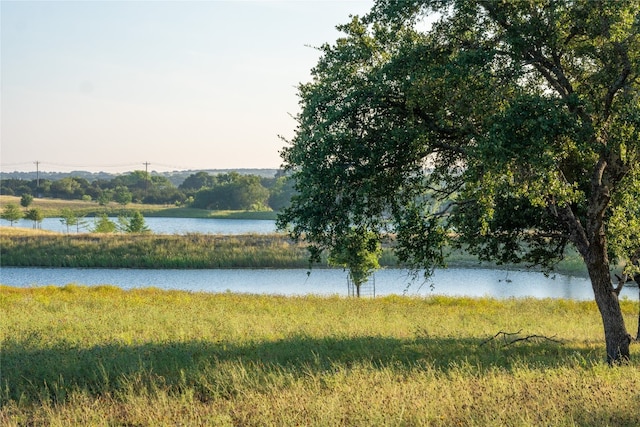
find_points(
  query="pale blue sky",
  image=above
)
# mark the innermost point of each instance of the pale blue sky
(108, 85)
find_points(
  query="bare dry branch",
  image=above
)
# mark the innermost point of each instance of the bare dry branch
(507, 338)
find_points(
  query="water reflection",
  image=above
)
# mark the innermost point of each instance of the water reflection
(453, 282)
(171, 225)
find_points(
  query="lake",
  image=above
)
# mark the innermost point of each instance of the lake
(173, 225)
(453, 282)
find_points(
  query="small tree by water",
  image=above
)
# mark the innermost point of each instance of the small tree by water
(11, 213)
(104, 225)
(36, 216)
(68, 218)
(359, 251)
(134, 224)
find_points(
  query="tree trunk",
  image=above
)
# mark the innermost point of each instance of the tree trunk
(615, 333)
(636, 278)
(638, 332)
(606, 175)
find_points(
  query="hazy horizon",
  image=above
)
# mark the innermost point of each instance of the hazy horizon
(107, 86)
(133, 169)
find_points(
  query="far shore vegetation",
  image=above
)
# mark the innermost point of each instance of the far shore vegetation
(77, 355)
(24, 247)
(51, 208)
(231, 190)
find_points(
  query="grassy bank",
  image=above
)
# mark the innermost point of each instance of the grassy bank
(53, 208)
(150, 251)
(103, 356)
(186, 212)
(21, 247)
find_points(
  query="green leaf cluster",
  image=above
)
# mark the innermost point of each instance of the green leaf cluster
(12, 213)
(104, 225)
(134, 223)
(359, 251)
(508, 129)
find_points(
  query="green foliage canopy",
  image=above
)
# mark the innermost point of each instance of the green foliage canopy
(122, 195)
(358, 250)
(104, 225)
(509, 129)
(198, 181)
(35, 215)
(25, 200)
(134, 224)
(235, 192)
(142, 187)
(69, 218)
(11, 212)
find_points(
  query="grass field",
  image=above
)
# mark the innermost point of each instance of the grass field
(53, 208)
(103, 356)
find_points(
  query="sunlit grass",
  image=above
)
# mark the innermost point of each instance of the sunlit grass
(150, 251)
(54, 207)
(22, 247)
(24, 232)
(103, 356)
(187, 212)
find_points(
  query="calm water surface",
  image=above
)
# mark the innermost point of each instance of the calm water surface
(453, 282)
(173, 225)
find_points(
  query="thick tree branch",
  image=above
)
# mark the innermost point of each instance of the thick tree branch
(620, 81)
(607, 174)
(577, 233)
(551, 70)
(600, 192)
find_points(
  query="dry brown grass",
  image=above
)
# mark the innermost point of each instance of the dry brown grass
(53, 207)
(24, 232)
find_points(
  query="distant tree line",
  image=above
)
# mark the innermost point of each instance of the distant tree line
(176, 177)
(224, 191)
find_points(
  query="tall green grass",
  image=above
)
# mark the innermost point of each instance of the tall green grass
(38, 249)
(152, 251)
(190, 251)
(102, 356)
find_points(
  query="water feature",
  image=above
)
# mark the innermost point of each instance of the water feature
(171, 225)
(454, 281)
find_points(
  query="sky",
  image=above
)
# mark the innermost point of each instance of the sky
(179, 85)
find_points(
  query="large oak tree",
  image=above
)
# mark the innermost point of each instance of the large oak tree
(510, 129)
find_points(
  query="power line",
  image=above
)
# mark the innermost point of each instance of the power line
(146, 177)
(57, 167)
(37, 175)
(106, 166)
(52, 166)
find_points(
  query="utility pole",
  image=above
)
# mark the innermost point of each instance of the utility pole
(146, 178)
(37, 163)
